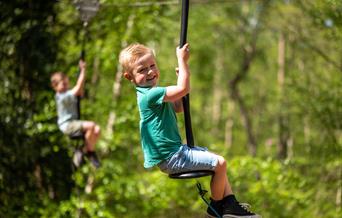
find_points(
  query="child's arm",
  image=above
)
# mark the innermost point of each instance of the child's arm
(78, 88)
(174, 93)
(178, 105)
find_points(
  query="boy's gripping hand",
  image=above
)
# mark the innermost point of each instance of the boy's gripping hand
(176, 92)
(82, 65)
(78, 88)
(183, 53)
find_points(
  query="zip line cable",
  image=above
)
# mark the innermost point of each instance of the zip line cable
(171, 3)
(168, 3)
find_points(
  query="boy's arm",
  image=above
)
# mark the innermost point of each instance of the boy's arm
(178, 104)
(174, 93)
(78, 88)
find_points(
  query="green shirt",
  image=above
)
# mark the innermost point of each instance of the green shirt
(158, 126)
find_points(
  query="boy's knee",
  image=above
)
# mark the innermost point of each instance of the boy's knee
(92, 126)
(89, 126)
(221, 163)
(97, 129)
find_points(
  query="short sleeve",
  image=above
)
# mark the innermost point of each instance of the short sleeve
(65, 97)
(70, 93)
(155, 96)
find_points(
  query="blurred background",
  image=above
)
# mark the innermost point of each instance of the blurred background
(266, 93)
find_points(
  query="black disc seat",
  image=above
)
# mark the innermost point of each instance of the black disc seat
(191, 174)
(77, 137)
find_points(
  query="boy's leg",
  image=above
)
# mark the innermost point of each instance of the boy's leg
(219, 184)
(189, 159)
(74, 129)
(222, 195)
(223, 199)
(92, 133)
(220, 187)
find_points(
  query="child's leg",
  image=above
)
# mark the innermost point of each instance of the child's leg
(187, 159)
(91, 134)
(96, 133)
(223, 199)
(219, 184)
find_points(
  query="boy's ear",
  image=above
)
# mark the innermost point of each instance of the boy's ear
(128, 76)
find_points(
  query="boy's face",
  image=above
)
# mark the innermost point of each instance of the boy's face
(62, 84)
(145, 72)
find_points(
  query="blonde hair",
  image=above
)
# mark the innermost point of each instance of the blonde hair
(55, 78)
(130, 54)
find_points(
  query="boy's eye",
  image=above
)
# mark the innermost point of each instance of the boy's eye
(152, 66)
(142, 70)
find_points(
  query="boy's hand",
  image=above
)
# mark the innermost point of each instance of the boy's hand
(183, 53)
(176, 92)
(82, 65)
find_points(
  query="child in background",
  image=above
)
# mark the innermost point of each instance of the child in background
(68, 122)
(160, 138)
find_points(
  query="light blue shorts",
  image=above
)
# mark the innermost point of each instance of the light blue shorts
(189, 159)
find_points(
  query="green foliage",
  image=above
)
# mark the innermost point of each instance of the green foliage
(288, 188)
(39, 37)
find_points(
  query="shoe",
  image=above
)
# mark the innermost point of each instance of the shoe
(238, 210)
(92, 157)
(77, 158)
(217, 206)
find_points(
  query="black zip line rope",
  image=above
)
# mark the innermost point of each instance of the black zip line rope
(186, 99)
(186, 104)
(82, 57)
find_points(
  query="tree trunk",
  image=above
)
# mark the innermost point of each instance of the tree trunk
(228, 137)
(283, 126)
(118, 79)
(246, 120)
(94, 78)
(249, 50)
(217, 94)
(249, 53)
(96, 72)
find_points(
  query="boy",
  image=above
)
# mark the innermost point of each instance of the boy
(66, 100)
(160, 137)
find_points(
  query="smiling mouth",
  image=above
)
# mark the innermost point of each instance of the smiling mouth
(151, 78)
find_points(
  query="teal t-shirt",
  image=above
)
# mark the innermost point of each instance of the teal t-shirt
(158, 125)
